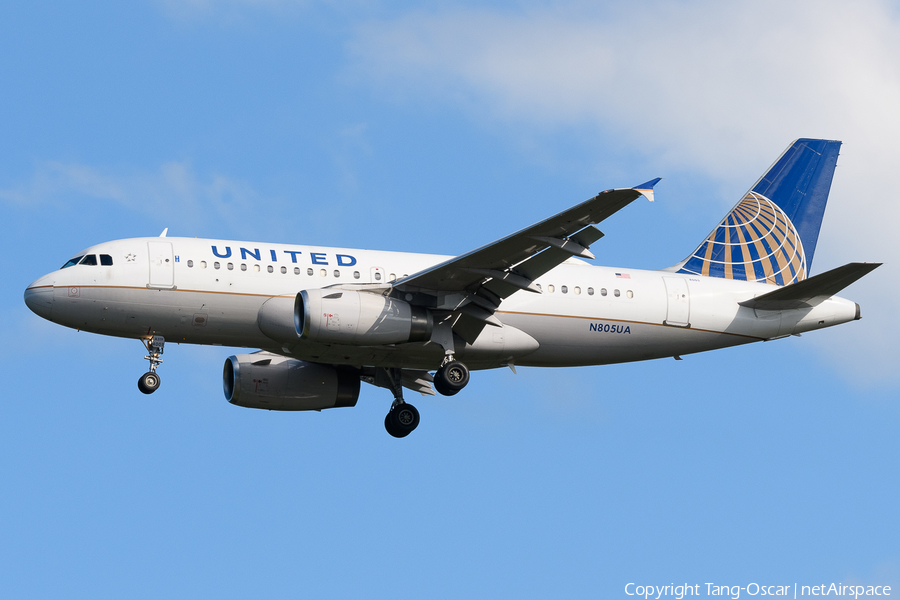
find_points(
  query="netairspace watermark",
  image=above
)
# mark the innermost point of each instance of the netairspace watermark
(679, 592)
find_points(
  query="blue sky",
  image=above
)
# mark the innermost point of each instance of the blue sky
(406, 127)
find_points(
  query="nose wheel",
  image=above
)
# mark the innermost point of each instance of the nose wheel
(149, 381)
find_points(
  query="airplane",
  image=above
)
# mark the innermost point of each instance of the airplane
(327, 319)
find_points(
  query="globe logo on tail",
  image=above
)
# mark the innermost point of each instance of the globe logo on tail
(756, 241)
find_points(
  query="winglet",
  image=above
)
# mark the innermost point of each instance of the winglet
(646, 189)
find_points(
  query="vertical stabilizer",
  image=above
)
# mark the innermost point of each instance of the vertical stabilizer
(770, 236)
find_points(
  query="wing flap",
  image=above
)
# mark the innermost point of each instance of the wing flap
(566, 245)
(417, 381)
(587, 236)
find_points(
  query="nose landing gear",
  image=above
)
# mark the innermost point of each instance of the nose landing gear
(149, 381)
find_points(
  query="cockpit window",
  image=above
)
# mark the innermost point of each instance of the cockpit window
(90, 259)
(106, 260)
(71, 262)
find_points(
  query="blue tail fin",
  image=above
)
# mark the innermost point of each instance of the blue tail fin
(770, 236)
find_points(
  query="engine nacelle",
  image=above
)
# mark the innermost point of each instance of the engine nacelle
(277, 319)
(274, 382)
(359, 319)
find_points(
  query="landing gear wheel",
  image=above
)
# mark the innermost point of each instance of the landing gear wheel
(149, 382)
(401, 420)
(441, 386)
(451, 378)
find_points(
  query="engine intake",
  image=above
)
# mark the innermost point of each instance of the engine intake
(359, 319)
(273, 382)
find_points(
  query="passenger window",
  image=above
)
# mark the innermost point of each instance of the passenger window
(392, 277)
(190, 262)
(296, 270)
(283, 270)
(216, 265)
(602, 291)
(564, 289)
(355, 274)
(323, 273)
(539, 287)
(106, 260)
(630, 294)
(377, 276)
(616, 293)
(590, 291)
(72, 262)
(230, 266)
(202, 264)
(270, 269)
(243, 267)
(256, 269)
(309, 271)
(550, 288)
(337, 273)
(577, 290)
(90, 259)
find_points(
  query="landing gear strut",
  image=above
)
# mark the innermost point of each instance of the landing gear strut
(403, 418)
(451, 377)
(149, 381)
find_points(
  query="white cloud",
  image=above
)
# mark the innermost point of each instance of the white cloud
(174, 190)
(706, 86)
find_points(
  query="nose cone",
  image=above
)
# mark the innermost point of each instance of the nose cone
(39, 297)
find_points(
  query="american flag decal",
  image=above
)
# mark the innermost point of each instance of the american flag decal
(623, 276)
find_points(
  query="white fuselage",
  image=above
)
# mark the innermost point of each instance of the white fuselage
(201, 291)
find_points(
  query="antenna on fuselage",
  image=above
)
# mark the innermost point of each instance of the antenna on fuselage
(165, 231)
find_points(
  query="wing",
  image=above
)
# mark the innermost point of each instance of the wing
(472, 285)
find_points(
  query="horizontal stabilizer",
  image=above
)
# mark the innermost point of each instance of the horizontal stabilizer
(812, 290)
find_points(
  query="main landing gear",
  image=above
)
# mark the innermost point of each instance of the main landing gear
(149, 381)
(451, 377)
(403, 418)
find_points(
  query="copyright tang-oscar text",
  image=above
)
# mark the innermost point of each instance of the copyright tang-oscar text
(791, 590)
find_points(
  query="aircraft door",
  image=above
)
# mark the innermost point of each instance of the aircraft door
(376, 275)
(162, 265)
(678, 313)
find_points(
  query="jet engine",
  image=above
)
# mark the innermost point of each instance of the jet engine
(273, 382)
(359, 319)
